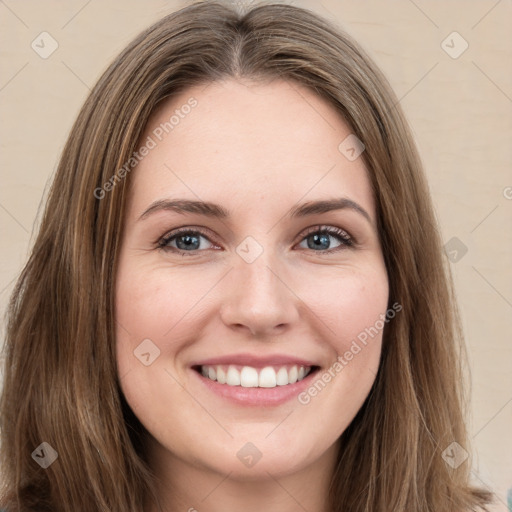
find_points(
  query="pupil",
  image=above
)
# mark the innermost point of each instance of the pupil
(319, 240)
(188, 241)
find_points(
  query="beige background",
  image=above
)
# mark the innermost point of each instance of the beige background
(460, 110)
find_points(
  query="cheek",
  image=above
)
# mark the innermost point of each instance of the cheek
(159, 313)
(153, 306)
(354, 308)
(153, 303)
(140, 320)
(350, 304)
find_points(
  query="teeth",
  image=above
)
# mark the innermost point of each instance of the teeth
(221, 376)
(233, 377)
(249, 377)
(282, 377)
(267, 378)
(293, 374)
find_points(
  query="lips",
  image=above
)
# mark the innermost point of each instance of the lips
(265, 394)
(249, 371)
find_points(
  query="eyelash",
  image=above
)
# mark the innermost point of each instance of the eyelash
(342, 236)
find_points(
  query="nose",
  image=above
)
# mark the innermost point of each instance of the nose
(258, 298)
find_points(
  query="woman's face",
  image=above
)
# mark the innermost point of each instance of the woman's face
(215, 322)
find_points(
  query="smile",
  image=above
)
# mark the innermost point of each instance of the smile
(250, 377)
(254, 380)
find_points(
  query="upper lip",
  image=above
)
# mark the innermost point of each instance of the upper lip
(255, 361)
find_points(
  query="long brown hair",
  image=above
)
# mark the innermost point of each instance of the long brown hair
(60, 381)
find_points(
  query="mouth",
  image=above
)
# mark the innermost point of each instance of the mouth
(270, 376)
(254, 380)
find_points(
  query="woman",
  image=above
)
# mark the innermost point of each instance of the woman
(237, 298)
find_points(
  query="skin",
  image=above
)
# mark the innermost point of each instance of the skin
(257, 149)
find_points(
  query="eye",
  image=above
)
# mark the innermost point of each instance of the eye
(318, 239)
(187, 241)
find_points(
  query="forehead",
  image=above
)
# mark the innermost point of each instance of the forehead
(238, 142)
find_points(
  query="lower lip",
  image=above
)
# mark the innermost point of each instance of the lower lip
(257, 396)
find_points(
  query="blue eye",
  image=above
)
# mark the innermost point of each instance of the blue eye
(319, 237)
(188, 241)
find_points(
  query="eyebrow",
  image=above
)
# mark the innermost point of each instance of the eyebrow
(219, 212)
